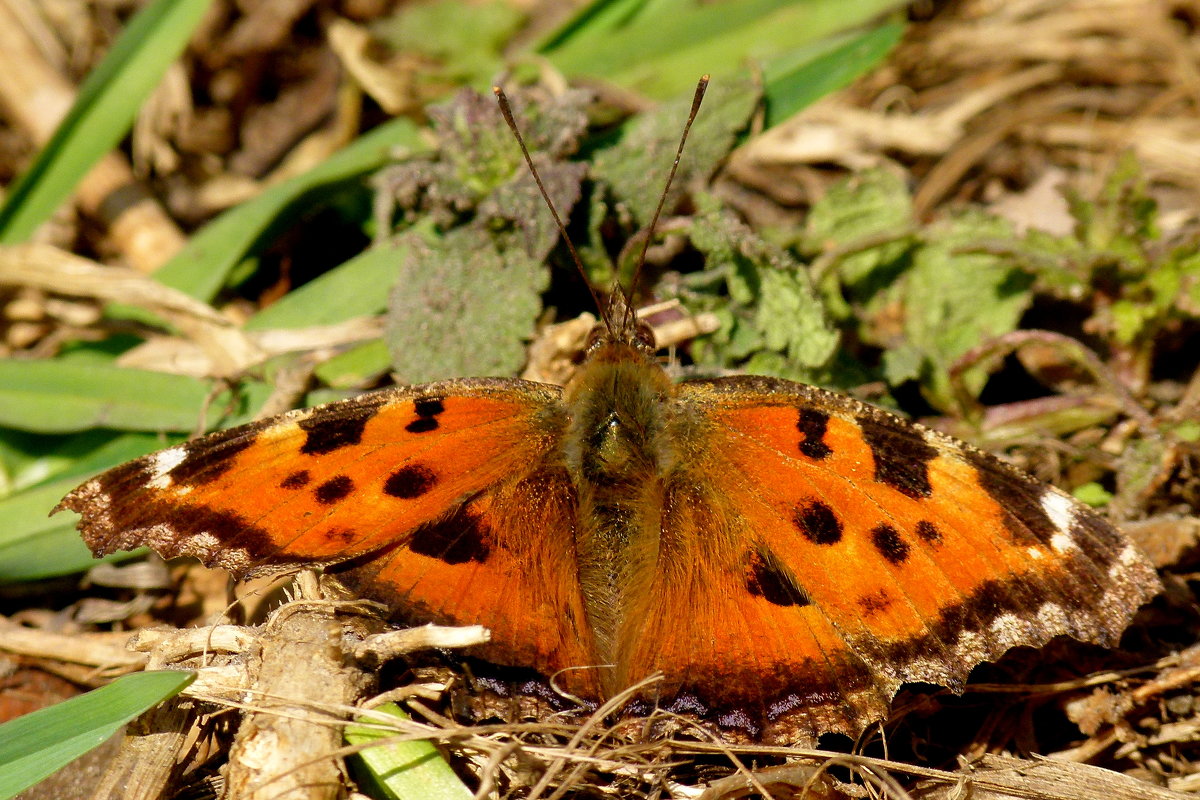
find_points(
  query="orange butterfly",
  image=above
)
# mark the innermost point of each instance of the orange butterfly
(784, 556)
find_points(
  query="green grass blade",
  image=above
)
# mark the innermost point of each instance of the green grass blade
(355, 288)
(106, 105)
(593, 21)
(203, 266)
(32, 459)
(411, 770)
(355, 367)
(791, 83)
(659, 48)
(64, 397)
(44, 741)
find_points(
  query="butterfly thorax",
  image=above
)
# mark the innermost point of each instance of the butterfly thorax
(618, 450)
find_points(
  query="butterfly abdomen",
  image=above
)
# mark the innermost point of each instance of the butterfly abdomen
(618, 453)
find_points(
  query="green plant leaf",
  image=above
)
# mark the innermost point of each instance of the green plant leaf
(795, 80)
(660, 47)
(355, 288)
(405, 770)
(358, 366)
(1122, 220)
(62, 397)
(467, 52)
(463, 306)
(637, 166)
(204, 264)
(870, 206)
(791, 317)
(955, 300)
(43, 457)
(477, 156)
(1093, 494)
(107, 103)
(773, 323)
(466, 300)
(44, 741)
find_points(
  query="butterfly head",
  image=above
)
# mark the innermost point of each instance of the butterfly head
(620, 326)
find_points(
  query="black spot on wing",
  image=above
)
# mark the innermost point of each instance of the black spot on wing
(429, 406)
(875, 603)
(333, 490)
(343, 535)
(427, 411)
(818, 522)
(211, 457)
(457, 539)
(1103, 542)
(812, 425)
(327, 430)
(411, 481)
(297, 480)
(889, 544)
(901, 456)
(770, 580)
(1020, 504)
(928, 532)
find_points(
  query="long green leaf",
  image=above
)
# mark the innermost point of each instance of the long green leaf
(795, 81)
(660, 47)
(44, 741)
(32, 459)
(405, 770)
(63, 396)
(203, 266)
(106, 105)
(355, 288)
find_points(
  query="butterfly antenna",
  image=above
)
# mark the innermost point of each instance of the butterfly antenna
(506, 110)
(697, 98)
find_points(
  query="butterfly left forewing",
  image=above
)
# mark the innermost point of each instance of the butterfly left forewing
(444, 501)
(317, 485)
(890, 553)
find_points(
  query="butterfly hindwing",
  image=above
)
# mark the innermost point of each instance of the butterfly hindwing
(847, 551)
(502, 559)
(442, 500)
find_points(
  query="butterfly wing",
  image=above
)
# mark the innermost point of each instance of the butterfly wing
(831, 551)
(443, 501)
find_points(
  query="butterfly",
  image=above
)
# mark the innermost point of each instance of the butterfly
(782, 556)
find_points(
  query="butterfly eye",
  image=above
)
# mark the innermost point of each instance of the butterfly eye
(643, 337)
(597, 334)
